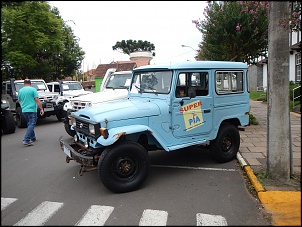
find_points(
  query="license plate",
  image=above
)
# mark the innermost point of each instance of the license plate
(48, 109)
(67, 151)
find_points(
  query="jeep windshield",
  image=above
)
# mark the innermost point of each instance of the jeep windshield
(151, 82)
(117, 81)
(72, 86)
(39, 85)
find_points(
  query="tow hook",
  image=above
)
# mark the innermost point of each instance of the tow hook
(84, 169)
(68, 159)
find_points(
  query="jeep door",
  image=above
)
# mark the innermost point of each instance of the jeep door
(192, 104)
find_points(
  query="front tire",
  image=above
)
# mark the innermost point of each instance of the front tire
(21, 122)
(123, 167)
(226, 145)
(68, 130)
(8, 122)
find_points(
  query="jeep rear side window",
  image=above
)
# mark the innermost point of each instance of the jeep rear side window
(229, 82)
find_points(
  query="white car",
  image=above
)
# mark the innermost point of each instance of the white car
(10, 89)
(65, 91)
(114, 87)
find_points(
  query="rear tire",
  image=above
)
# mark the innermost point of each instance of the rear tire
(21, 122)
(226, 145)
(8, 122)
(123, 167)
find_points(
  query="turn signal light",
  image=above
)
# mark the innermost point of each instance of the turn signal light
(104, 132)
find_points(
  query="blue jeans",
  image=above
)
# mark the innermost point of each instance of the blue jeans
(31, 119)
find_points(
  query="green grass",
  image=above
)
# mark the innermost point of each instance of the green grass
(261, 96)
(258, 95)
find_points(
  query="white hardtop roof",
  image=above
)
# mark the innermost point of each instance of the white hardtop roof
(123, 72)
(64, 82)
(32, 80)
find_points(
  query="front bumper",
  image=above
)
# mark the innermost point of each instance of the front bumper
(78, 153)
(48, 106)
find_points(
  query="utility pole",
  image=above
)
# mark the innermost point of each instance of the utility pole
(278, 114)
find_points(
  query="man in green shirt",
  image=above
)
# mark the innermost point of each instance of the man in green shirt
(29, 100)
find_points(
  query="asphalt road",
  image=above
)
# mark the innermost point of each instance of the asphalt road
(184, 187)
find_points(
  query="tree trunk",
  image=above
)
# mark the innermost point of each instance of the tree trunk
(278, 115)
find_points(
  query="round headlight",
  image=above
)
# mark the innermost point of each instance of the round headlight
(91, 129)
(86, 143)
(73, 121)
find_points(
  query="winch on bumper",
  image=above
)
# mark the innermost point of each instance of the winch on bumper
(80, 154)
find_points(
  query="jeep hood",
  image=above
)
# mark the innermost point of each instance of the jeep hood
(76, 93)
(104, 96)
(119, 110)
(43, 94)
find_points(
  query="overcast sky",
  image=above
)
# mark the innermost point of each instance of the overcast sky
(166, 24)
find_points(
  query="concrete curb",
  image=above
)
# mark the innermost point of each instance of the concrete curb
(258, 187)
(285, 206)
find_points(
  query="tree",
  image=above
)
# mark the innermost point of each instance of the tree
(234, 31)
(35, 42)
(237, 31)
(278, 116)
(130, 46)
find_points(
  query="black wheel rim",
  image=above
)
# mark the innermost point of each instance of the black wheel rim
(226, 144)
(124, 167)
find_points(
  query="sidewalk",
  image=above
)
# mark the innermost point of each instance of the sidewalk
(282, 201)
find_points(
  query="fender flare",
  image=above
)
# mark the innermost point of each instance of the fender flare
(116, 133)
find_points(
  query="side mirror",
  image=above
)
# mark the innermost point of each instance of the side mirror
(191, 92)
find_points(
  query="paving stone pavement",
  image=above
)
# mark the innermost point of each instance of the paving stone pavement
(253, 146)
(282, 200)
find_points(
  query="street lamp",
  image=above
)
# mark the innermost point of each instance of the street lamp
(191, 48)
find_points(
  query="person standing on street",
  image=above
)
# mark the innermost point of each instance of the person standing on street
(29, 100)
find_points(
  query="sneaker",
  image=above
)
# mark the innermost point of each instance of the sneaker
(30, 143)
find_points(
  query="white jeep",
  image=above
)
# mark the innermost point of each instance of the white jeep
(10, 89)
(65, 91)
(113, 87)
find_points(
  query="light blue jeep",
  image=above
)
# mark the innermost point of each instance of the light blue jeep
(169, 107)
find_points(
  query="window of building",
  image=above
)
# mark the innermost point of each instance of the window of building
(298, 67)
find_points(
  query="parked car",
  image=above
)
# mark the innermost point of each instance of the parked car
(10, 89)
(169, 107)
(113, 87)
(8, 125)
(65, 90)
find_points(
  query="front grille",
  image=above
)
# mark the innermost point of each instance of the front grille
(46, 99)
(82, 125)
(78, 105)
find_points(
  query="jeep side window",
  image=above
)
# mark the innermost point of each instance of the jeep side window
(4, 89)
(56, 88)
(228, 82)
(181, 88)
(199, 81)
(195, 83)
